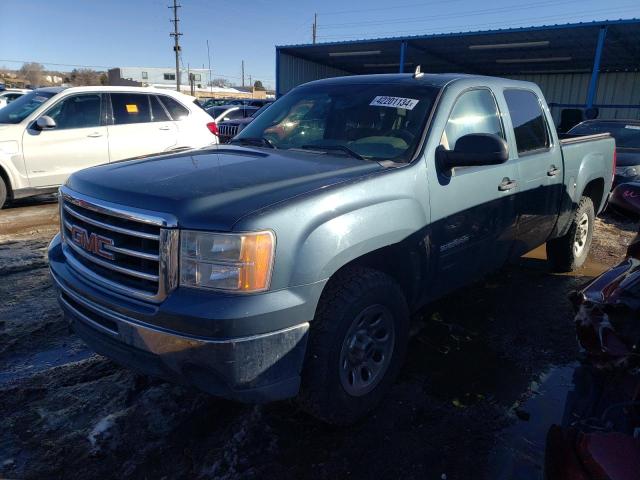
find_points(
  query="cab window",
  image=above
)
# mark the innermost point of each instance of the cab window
(475, 111)
(527, 117)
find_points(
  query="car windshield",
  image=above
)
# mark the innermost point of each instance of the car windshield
(372, 121)
(23, 106)
(259, 111)
(627, 135)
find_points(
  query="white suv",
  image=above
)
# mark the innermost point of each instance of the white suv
(49, 133)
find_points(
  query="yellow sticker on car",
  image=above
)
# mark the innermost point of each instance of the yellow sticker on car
(132, 108)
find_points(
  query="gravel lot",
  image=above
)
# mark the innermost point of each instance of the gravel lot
(467, 405)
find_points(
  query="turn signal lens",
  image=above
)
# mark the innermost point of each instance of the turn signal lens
(231, 262)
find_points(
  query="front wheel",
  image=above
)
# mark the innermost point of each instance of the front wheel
(357, 344)
(3, 192)
(569, 252)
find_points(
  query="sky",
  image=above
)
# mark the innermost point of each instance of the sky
(118, 33)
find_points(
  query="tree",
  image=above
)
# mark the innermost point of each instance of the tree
(258, 85)
(86, 77)
(32, 72)
(220, 82)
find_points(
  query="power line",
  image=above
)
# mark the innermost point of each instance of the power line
(393, 7)
(484, 11)
(466, 27)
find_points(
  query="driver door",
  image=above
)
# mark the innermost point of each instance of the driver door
(79, 140)
(473, 216)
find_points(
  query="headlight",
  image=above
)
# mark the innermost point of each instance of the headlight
(231, 262)
(627, 171)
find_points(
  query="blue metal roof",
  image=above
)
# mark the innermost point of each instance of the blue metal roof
(547, 48)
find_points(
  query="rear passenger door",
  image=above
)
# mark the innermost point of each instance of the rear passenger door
(473, 217)
(539, 164)
(140, 125)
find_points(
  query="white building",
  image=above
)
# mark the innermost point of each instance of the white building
(157, 76)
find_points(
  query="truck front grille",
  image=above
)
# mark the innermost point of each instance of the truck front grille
(227, 132)
(130, 252)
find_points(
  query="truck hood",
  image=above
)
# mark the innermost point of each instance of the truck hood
(211, 189)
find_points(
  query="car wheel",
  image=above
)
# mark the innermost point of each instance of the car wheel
(357, 344)
(569, 252)
(3, 193)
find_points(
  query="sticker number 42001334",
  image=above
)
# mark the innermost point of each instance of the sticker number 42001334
(394, 102)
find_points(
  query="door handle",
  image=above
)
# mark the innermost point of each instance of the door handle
(94, 135)
(507, 184)
(165, 127)
(553, 171)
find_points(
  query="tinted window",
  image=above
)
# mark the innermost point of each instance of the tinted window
(627, 135)
(130, 108)
(22, 107)
(234, 114)
(528, 120)
(474, 112)
(158, 113)
(175, 108)
(77, 111)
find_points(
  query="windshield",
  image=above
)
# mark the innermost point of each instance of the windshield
(22, 107)
(373, 121)
(627, 135)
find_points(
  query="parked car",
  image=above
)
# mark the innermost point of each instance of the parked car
(49, 133)
(627, 135)
(598, 437)
(288, 262)
(213, 102)
(9, 95)
(227, 129)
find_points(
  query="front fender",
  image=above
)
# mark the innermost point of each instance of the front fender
(333, 243)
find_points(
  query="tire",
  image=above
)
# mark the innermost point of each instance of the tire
(3, 193)
(362, 316)
(568, 253)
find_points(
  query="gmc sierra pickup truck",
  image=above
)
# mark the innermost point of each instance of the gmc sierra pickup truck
(288, 263)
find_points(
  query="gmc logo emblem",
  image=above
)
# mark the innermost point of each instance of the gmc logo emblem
(91, 242)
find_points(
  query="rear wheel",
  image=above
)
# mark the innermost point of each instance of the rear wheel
(569, 252)
(357, 343)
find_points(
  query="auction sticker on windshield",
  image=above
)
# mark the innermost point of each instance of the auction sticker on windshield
(394, 102)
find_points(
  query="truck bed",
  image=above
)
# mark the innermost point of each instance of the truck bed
(569, 138)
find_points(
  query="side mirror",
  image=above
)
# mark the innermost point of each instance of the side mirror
(473, 150)
(45, 123)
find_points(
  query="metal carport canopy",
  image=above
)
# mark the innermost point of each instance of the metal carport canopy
(611, 45)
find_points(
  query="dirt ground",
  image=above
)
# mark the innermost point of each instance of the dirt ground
(462, 407)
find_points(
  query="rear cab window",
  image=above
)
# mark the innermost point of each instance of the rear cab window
(529, 121)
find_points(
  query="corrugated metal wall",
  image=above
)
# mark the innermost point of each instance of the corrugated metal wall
(615, 88)
(294, 71)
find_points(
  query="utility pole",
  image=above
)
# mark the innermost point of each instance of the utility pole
(243, 73)
(176, 35)
(210, 79)
(314, 29)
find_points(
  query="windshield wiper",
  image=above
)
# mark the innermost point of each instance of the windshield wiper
(341, 148)
(265, 142)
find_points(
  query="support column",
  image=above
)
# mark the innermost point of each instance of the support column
(593, 83)
(403, 48)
